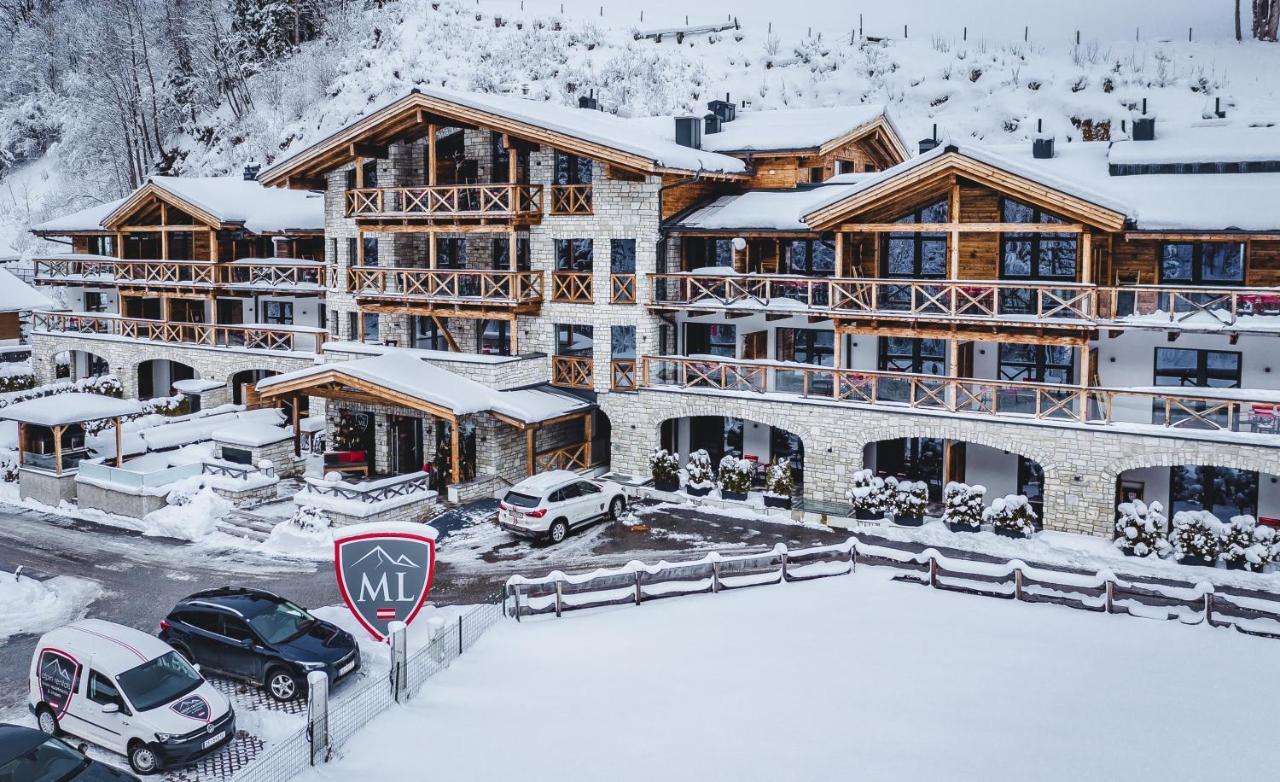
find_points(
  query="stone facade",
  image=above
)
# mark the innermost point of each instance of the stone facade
(280, 454)
(45, 487)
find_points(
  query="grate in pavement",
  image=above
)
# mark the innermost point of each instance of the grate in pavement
(223, 764)
(247, 697)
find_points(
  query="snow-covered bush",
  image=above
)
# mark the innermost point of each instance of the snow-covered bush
(17, 382)
(962, 506)
(911, 499)
(308, 519)
(736, 474)
(1197, 534)
(106, 385)
(1011, 514)
(8, 465)
(1141, 529)
(664, 465)
(699, 471)
(1245, 544)
(778, 481)
(867, 495)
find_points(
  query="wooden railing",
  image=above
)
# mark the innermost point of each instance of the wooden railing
(622, 289)
(571, 287)
(447, 285)
(248, 337)
(1178, 408)
(571, 199)
(1173, 304)
(622, 374)
(569, 457)
(571, 371)
(498, 200)
(73, 268)
(276, 274)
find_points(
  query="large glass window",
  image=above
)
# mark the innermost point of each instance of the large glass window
(917, 254)
(277, 313)
(572, 170)
(622, 256)
(1053, 364)
(1025, 255)
(370, 251)
(1223, 491)
(427, 334)
(502, 254)
(493, 337)
(811, 256)
(701, 252)
(622, 342)
(806, 346)
(1202, 263)
(451, 253)
(710, 339)
(573, 340)
(1188, 367)
(908, 354)
(573, 255)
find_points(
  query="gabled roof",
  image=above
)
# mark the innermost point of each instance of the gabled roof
(594, 134)
(82, 221)
(766, 210)
(228, 200)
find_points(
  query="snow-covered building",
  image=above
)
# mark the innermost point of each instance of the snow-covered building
(1073, 324)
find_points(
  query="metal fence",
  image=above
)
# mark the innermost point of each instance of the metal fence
(331, 724)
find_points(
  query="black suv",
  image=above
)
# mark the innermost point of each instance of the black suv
(259, 637)
(27, 755)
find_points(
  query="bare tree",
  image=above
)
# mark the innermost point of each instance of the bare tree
(1266, 20)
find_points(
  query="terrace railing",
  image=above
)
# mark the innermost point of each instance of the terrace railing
(622, 374)
(447, 285)
(446, 201)
(249, 337)
(569, 457)
(571, 200)
(275, 275)
(571, 287)
(372, 491)
(571, 371)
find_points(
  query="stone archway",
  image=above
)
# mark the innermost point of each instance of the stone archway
(155, 376)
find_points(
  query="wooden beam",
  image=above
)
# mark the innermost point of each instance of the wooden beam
(364, 149)
(455, 444)
(432, 245)
(22, 442)
(953, 238)
(588, 420)
(1086, 257)
(57, 450)
(964, 228)
(119, 443)
(530, 458)
(359, 172)
(448, 337)
(431, 154)
(297, 430)
(1000, 333)
(841, 270)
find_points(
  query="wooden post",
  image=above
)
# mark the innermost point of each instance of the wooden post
(359, 173)
(119, 244)
(512, 262)
(431, 157)
(359, 247)
(587, 424)
(841, 271)
(431, 250)
(297, 430)
(57, 450)
(455, 443)
(119, 444)
(953, 238)
(512, 175)
(22, 441)
(1086, 255)
(530, 455)
(213, 246)
(515, 340)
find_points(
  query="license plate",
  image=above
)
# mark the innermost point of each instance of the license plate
(209, 742)
(346, 669)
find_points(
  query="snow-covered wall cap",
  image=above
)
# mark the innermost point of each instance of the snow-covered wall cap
(377, 527)
(1213, 141)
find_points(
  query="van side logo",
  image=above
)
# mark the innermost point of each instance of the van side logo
(193, 707)
(59, 677)
(384, 576)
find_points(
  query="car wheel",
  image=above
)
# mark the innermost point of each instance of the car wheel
(184, 652)
(616, 506)
(48, 721)
(559, 531)
(282, 685)
(143, 759)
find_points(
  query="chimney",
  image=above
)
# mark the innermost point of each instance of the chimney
(689, 132)
(927, 144)
(1042, 146)
(588, 101)
(1144, 126)
(724, 109)
(1218, 110)
(251, 172)
(711, 124)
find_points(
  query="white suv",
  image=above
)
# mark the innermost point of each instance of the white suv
(550, 504)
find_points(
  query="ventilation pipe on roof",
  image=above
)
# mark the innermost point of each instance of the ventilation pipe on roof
(689, 132)
(1042, 145)
(724, 109)
(927, 144)
(251, 172)
(588, 101)
(1144, 126)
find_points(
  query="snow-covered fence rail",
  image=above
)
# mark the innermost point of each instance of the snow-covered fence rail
(371, 491)
(1103, 591)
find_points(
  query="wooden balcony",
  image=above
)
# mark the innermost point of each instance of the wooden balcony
(289, 339)
(622, 289)
(520, 290)
(622, 374)
(571, 372)
(571, 200)
(1189, 306)
(1181, 408)
(74, 268)
(569, 457)
(571, 287)
(447, 202)
(273, 274)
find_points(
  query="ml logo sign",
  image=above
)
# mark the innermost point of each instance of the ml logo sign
(384, 572)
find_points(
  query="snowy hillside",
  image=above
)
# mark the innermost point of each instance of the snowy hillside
(976, 68)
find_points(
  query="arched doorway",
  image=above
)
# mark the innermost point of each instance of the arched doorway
(722, 436)
(1223, 491)
(156, 376)
(247, 377)
(80, 364)
(938, 461)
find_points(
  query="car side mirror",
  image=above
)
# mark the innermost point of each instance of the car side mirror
(110, 708)
(246, 643)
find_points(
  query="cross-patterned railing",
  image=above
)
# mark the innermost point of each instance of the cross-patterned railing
(569, 457)
(571, 287)
(72, 268)
(274, 275)
(622, 289)
(450, 201)
(571, 371)
(447, 285)
(1177, 408)
(249, 337)
(571, 200)
(622, 374)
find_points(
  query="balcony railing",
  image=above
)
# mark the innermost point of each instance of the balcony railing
(1181, 408)
(571, 287)
(446, 201)
(571, 371)
(1202, 305)
(622, 289)
(622, 374)
(447, 285)
(274, 274)
(291, 339)
(74, 267)
(571, 199)
(569, 457)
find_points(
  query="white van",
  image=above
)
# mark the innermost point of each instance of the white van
(129, 692)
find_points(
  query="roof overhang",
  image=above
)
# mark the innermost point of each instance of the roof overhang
(150, 190)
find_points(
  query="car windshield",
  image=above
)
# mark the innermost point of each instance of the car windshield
(521, 500)
(159, 681)
(282, 622)
(52, 761)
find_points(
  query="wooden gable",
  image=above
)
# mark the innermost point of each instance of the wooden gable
(151, 206)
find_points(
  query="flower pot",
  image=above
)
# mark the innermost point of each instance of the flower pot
(736, 496)
(1200, 561)
(666, 484)
(908, 521)
(697, 492)
(1009, 533)
(1234, 564)
(868, 515)
(776, 502)
(963, 527)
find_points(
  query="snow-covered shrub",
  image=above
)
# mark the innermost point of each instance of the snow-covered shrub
(867, 495)
(663, 464)
(778, 481)
(1011, 514)
(1196, 534)
(1245, 544)
(106, 385)
(699, 470)
(18, 382)
(193, 511)
(308, 519)
(736, 474)
(169, 406)
(1141, 529)
(962, 505)
(8, 465)
(911, 499)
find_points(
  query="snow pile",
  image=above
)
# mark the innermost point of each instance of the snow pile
(193, 512)
(106, 385)
(304, 534)
(28, 606)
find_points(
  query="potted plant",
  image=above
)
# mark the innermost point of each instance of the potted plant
(1246, 545)
(779, 485)
(700, 478)
(1011, 516)
(1142, 530)
(735, 478)
(909, 503)
(1196, 537)
(962, 507)
(665, 467)
(867, 496)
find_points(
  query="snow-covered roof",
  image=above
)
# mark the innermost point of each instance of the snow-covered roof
(17, 296)
(768, 210)
(250, 435)
(89, 219)
(69, 408)
(779, 130)
(115, 648)
(1217, 141)
(408, 375)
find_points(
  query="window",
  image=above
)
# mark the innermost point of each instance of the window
(159, 681)
(701, 252)
(235, 629)
(815, 174)
(237, 455)
(93, 302)
(811, 256)
(572, 340)
(918, 356)
(493, 337)
(52, 760)
(501, 168)
(622, 256)
(103, 691)
(572, 170)
(573, 255)
(806, 346)
(502, 254)
(284, 622)
(1199, 368)
(586, 489)
(1035, 256)
(1223, 491)
(622, 342)
(371, 331)
(451, 253)
(181, 246)
(1037, 364)
(845, 167)
(102, 245)
(1202, 263)
(352, 253)
(370, 251)
(711, 339)
(353, 326)
(277, 313)
(917, 254)
(427, 334)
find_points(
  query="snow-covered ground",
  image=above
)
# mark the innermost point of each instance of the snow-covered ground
(844, 677)
(31, 606)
